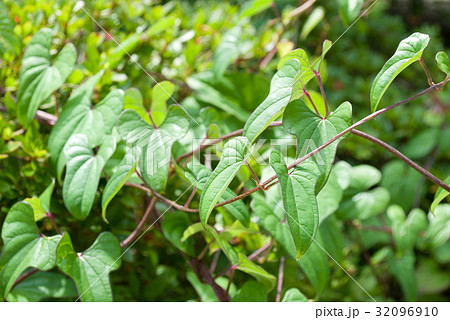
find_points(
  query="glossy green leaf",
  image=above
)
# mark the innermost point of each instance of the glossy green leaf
(43, 285)
(161, 92)
(41, 205)
(78, 117)
(155, 144)
(253, 7)
(312, 131)
(251, 268)
(83, 173)
(440, 195)
(9, 41)
(198, 175)
(272, 107)
(24, 246)
(126, 168)
(349, 10)
(234, 154)
(409, 51)
(299, 200)
(39, 76)
(443, 62)
(294, 295)
(312, 21)
(173, 225)
(227, 51)
(90, 269)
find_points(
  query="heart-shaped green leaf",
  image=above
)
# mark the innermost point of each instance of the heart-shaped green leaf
(134, 101)
(443, 62)
(439, 196)
(24, 246)
(161, 92)
(126, 168)
(198, 174)
(312, 131)
(83, 173)
(155, 144)
(39, 77)
(9, 41)
(78, 117)
(234, 154)
(90, 269)
(43, 285)
(299, 199)
(272, 107)
(409, 51)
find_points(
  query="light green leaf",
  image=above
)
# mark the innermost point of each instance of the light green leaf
(315, 265)
(272, 107)
(253, 7)
(24, 246)
(126, 168)
(299, 199)
(43, 285)
(294, 295)
(83, 173)
(198, 175)
(134, 101)
(409, 51)
(402, 268)
(78, 117)
(165, 23)
(349, 10)
(39, 77)
(312, 131)
(438, 233)
(330, 196)
(41, 205)
(365, 205)
(191, 230)
(312, 21)
(363, 177)
(440, 195)
(161, 92)
(155, 144)
(443, 62)
(249, 267)
(90, 268)
(126, 47)
(234, 154)
(173, 225)
(9, 41)
(227, 51)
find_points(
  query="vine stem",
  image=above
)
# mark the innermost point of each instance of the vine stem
(404, 158)
(322, 90)
(430, 80)
(280, 280)
(306, 93)
(140, 225)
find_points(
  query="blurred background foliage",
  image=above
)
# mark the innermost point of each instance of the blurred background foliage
(188, 43)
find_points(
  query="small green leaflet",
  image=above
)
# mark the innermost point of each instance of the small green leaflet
(294, 295)
(83, 173)
(24, 246)
(9, 41)
(272, 107)
(349, 10)
(235, 153)
(90, 269)
(155, 144)
(161, 92)
(439, 196)
(126, 168)
(312, 21)
(409, 51)
(134, 101)
(41, 205)
(312, 131)
(39, 77)
(198, 174)
(78, 117)
(253, 7)
(299, 199)
(443, 62)
(43, 285)
(227, 51)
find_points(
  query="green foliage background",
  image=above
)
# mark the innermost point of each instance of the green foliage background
(183, 42)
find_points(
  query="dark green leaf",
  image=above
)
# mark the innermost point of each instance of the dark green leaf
(174, 224)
